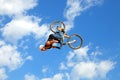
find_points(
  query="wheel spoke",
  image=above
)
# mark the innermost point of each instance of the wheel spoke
(53, 25)
(78, 41)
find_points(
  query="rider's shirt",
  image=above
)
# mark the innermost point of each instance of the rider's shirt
(59, 34)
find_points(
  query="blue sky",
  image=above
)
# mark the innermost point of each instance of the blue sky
(24, 26)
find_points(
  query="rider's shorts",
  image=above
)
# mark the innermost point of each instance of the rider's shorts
(55, 37)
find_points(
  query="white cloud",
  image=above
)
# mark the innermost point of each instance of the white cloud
(10, 59)
(72, 9)
(23, 26)
(75, 7)
(9, 56)
(3, 75)
(2, 43)
(46, 79)
(62, 66)
(30, 77)
(23, 45)
(44, 70)
(80, 66)
(29, 58)
(91, 70)
(85, 68)
(104, 67)
(15, 7)
(58, 76)
(77, 56)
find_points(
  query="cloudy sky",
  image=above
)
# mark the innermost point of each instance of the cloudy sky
(24, 26)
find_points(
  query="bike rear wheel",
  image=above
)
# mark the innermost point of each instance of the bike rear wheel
(75, 41)
(53, 26)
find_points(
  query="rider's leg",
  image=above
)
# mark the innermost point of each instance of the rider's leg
(56, 39)
(61, 43)
(56, 47)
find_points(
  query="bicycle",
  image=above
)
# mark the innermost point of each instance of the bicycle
(74, 41)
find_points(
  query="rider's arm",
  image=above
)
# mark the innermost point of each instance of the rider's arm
(66, 36)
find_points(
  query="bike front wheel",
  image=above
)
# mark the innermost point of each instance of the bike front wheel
(53, 26)
(75, 41)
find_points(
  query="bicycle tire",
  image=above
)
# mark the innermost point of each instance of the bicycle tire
(55, 22)
(80, 44)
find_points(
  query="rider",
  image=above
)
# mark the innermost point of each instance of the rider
(57, 37)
